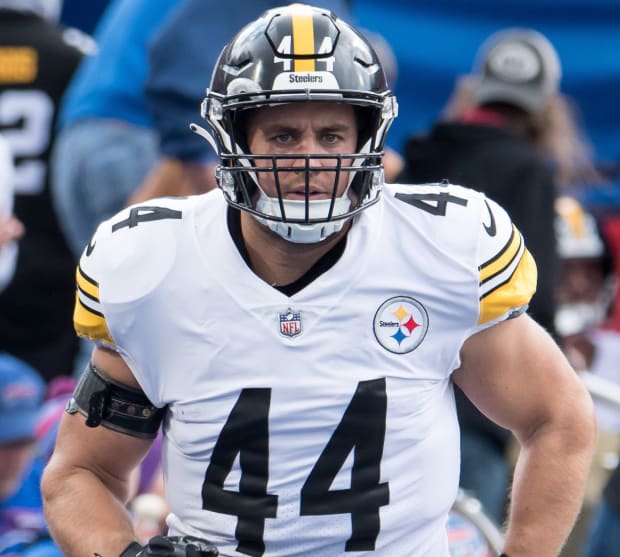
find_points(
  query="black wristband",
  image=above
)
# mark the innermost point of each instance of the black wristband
(131, 550)
(503, 555)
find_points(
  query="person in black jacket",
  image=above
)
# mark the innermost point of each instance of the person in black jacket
(510, 133)
(37, 59)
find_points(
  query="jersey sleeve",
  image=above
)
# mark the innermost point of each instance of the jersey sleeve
(507, 271)
(88, 316)
(125, 262)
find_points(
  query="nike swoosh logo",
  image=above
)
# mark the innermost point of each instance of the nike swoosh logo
(90, 247)
(490, 229)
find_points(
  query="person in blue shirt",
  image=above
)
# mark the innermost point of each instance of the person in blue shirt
(106, 143)
(23, 528)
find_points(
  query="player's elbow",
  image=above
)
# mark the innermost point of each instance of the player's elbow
(574, 422)
(583, 420)
(568, 422)
(52, 481)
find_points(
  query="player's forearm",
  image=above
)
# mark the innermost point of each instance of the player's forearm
(548, 486)
(84, 525)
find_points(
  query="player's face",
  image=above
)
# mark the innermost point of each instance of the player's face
(582, 281)
(303, 128)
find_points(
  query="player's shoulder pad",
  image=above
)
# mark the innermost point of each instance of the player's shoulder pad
(130, 252)
(126, 259)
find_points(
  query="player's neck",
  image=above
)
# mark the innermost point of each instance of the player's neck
(277, 261)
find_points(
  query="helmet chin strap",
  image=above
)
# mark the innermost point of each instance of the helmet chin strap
(296, 209)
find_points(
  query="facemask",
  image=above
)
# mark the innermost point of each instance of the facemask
(296, 210)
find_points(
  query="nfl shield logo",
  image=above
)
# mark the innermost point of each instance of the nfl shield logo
(290, 323)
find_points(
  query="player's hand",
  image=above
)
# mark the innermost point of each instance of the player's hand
(11, 229)
(172, 546)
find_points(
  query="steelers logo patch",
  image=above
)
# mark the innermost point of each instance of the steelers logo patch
(400, 324)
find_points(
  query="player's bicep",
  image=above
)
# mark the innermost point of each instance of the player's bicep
(101, 453)
(81, 449)
(513, 372)
(113, 366)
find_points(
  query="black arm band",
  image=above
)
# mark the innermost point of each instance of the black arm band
(114, 406)
(131, 550)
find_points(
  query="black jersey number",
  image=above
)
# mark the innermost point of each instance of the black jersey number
(246, 433)
(146, 213)
(433, 203)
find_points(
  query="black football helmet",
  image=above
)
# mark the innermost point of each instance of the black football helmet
(296, 54)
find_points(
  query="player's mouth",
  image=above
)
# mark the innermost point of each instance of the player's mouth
(314, 193)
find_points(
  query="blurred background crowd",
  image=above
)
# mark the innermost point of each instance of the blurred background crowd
(516, 99)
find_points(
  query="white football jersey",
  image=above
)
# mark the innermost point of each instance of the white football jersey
(321, 424)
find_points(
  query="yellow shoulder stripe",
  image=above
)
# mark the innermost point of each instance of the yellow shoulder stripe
(89, 286)
(498, 263)
(515, 292)
(88, 320)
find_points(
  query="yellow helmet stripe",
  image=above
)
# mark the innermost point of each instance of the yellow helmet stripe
(303, 40)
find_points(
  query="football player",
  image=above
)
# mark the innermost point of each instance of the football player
(298, 331)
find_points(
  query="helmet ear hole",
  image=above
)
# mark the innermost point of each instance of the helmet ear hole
(240, 121)
(367, 124)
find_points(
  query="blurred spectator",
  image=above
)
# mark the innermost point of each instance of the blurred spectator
(604, 537)
(58, 393)
(509, 133)
(182, 58)
(106, 143)
(23, 530)
(11, 229)
(611, 227)
(585, 296)
(29, 417)
(585, 292)
(37, 59)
